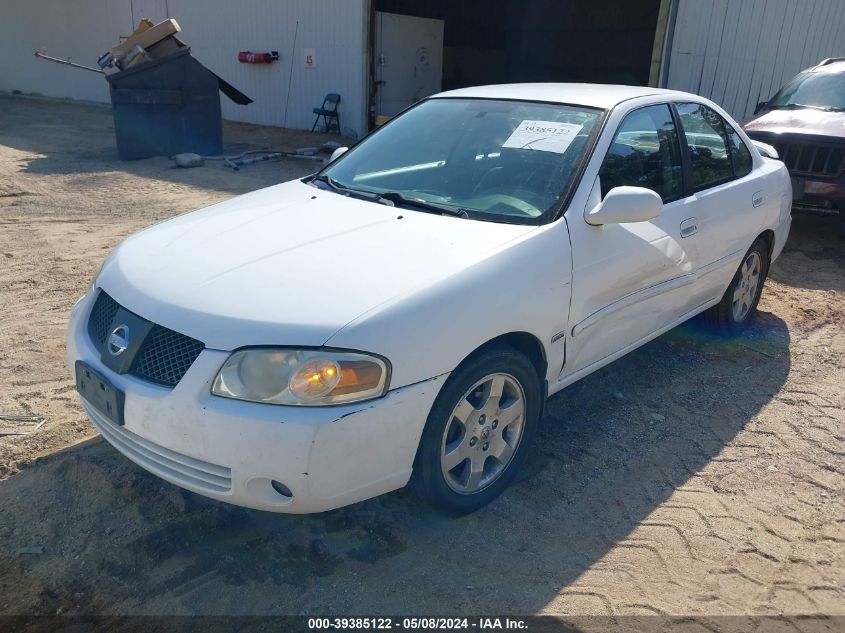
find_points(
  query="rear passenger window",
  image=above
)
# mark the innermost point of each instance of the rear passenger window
(645, 153)
(708, 145)
(740, 154)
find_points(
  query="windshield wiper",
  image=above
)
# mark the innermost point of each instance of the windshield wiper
(344, 190)
(396, 198)
(328, 180)
(391, 198)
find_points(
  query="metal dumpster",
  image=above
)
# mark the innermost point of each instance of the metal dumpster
(167, 106)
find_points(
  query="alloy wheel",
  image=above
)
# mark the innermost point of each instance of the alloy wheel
(749, 283)
(483, 433)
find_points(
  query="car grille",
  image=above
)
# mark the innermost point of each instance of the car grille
(812, 159)
(179, 468)
(105, 308)
(164, 355)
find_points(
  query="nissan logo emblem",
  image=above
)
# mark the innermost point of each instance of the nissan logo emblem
(118, 340)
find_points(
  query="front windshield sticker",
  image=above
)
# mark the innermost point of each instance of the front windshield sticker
(546, 136)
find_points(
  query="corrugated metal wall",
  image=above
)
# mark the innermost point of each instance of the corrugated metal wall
(216, 30)
(80, 30)
(335, 29)
(736, 52)
(740, 52)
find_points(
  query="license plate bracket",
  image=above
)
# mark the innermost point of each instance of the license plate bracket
(98, 391)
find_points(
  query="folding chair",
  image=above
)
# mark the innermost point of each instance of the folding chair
(330, 115)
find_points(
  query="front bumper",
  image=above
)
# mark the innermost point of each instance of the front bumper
(231, 450)
(819, 195)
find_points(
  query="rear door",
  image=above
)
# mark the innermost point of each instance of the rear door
(725, 199)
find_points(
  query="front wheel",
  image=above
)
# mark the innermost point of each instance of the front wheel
(478, 431)
(740, 300)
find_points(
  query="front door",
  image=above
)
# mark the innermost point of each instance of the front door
(632, 279)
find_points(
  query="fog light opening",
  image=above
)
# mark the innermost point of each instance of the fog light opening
(282, 489)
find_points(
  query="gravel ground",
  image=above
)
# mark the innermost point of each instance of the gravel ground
(696, 476)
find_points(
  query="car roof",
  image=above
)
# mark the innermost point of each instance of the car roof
(831, 65)
(603, 96)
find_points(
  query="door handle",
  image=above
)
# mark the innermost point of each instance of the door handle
(689, 227)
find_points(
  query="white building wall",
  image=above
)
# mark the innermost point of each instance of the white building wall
(216, 30)
(740, 52)
(79, 30)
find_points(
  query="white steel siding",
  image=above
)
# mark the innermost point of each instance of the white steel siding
(740, 52)
(216, 30)
(79, 30)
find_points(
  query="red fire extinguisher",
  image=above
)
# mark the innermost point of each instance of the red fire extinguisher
(248, 57)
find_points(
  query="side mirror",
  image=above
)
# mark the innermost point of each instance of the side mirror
(340, 151)
(765, 149)
(760, 107)
(626, 204)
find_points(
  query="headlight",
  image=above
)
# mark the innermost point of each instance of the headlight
(301, 377)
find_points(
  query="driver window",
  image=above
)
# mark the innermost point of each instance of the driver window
(645, 153)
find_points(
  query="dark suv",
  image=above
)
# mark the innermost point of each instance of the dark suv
(805, 122)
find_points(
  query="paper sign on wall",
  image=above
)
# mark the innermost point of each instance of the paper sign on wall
(310, 57)
(546, 136)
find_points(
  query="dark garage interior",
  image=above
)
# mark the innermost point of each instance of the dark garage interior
(505, 41)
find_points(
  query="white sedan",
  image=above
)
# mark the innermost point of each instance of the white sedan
(402, 315)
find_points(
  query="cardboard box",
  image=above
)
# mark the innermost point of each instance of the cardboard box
(145, 38)
(166, 46)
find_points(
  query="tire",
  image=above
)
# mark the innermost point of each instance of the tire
(469, 429)
(736, 309)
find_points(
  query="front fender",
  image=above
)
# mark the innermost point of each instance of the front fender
(524, 286)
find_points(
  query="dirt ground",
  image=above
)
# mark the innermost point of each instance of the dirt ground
(695, 476)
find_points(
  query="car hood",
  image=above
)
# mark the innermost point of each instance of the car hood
(288, 265)
(804, 121)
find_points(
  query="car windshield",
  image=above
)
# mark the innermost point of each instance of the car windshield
(505, 161)
(824, 90)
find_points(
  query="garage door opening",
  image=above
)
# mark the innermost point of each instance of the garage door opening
(424, 46)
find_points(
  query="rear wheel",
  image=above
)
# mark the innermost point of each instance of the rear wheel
(478, 431)
(738, 304)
